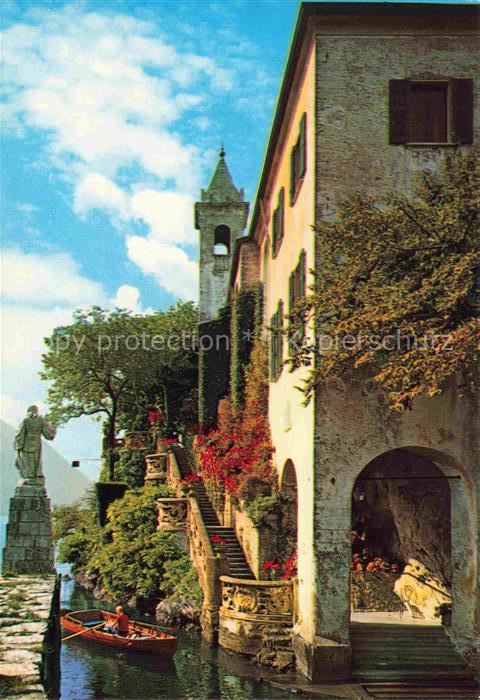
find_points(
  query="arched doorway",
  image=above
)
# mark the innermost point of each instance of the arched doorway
(413, 565)
(288, 488)
(401, 517)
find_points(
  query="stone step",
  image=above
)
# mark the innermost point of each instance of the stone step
(456, 690)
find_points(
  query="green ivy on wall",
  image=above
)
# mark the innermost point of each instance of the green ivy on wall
(246, 325)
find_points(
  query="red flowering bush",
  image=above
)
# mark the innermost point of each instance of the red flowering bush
(166, 442)
(155, 417)
(190, 477)
(241, 447)
(271, 569)
(217, 542)
(291, 567)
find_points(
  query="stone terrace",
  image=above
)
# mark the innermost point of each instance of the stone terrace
(25, 605)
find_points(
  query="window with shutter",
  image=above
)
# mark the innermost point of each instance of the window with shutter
(297, 291)
(276, 343)
(278, 223)
(425, 112)
(298, 160)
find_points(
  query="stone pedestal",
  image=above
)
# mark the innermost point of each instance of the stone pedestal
(29, 544)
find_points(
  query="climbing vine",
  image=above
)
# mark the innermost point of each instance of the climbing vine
(399, 288)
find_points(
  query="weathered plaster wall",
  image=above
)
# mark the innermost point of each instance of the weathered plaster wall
(291, 422)
(355, 64)
(353, 427)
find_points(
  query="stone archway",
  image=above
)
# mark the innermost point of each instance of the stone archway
(416, 503)
(289, 488)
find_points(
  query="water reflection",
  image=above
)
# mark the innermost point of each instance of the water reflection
(197, 671)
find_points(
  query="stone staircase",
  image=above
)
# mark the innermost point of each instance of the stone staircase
(237, 563)
(405, 653)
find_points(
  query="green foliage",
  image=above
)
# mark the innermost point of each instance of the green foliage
(130, 468)
(213, 376)
(116, 365)
(262, 507)
(405, 269)
(107, 492)
(246, 324)
(77, 533)
(180, 581)
(132, 560)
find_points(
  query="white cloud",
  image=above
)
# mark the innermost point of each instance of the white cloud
(40, 293)
(168, 214)
(167, 263)
(95, 191)
(40, 280)
(108, 91)
(128, 297)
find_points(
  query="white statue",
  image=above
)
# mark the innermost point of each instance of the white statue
(28, 443)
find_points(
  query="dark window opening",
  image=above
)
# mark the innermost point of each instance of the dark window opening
(298, 161)
(276, 343)
(428, 112)
(431, 111)
(278, 223)
(297, 291)
(222, 240)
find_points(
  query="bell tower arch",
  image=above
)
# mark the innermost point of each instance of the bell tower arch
(220, 217)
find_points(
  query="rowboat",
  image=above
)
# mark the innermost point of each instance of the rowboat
(142, 637)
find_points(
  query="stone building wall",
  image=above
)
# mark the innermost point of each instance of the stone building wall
(355, 62)
(356, 59)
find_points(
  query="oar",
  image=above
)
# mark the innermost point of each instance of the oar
(87, 629)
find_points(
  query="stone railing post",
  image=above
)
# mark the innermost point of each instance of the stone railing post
(172, 514)
(252, 609)
(156, 468)
(210, 568)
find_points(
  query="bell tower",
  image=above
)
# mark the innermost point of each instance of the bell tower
(221, 217)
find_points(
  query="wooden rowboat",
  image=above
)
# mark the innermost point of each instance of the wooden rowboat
(143, 637)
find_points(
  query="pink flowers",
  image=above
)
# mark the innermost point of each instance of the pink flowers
(155, 417)
(190, 477)
(272, 569)
(218, 541)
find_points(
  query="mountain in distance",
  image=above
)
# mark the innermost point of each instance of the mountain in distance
(64, 484)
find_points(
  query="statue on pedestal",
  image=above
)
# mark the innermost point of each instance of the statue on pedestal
(29, 543)
(28, 445)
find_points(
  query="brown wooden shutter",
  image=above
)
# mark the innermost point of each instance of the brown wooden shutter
(273, 340)
(399, 111)
(281, 214)
(462, 110)
(303, 147)
(280, 336)
(303, 274)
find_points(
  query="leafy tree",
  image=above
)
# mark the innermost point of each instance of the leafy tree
(399, 286)
(109, 363)
(128, 558)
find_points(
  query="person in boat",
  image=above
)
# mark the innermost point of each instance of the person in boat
(121, 625)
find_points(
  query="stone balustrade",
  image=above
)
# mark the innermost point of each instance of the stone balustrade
(210, 567)
(138, 440)
(252, 609)
(157, 467)
(172, 514)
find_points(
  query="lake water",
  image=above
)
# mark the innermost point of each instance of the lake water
(198, 671)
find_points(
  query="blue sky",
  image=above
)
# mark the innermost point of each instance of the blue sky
(112, 120)
(113, 117)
